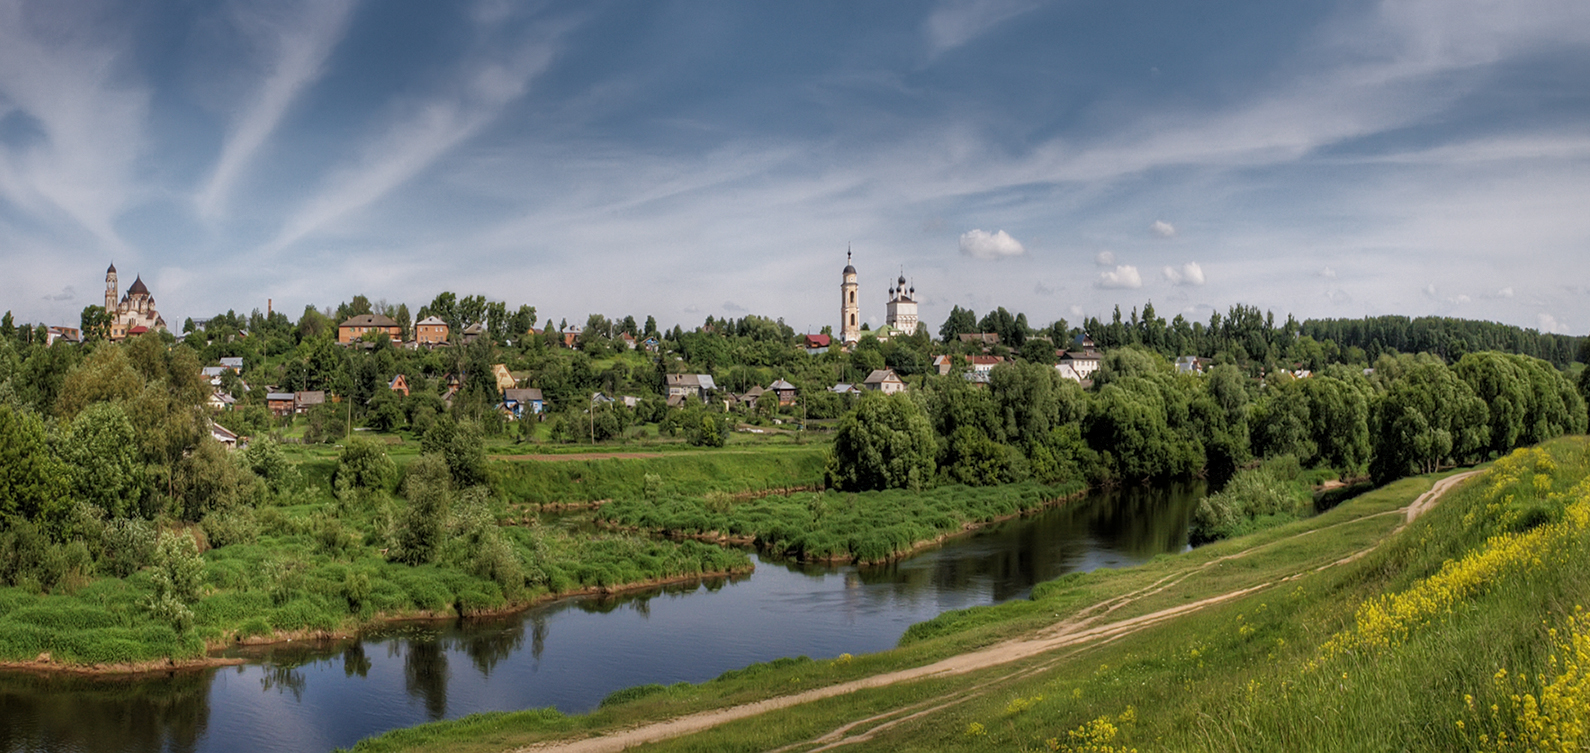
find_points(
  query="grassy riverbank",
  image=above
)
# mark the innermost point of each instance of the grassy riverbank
(836, 526)
(553, 478)
(1350, 630)
(305, 563)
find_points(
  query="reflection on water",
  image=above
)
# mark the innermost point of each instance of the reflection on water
(312, 697)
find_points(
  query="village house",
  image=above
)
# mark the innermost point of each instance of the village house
(1189, 365)
(785, 392)
(519, 401)
(363, 324)
(817, 344)
(682, 387)
(399, 384)
(430, 331)
(883, 380)
(280, 403)
(303, 401)
(473, 333)
(235, 363)
(69, 334)
(985, 339)
(1082, 362)
(223, 435)
(504, 379)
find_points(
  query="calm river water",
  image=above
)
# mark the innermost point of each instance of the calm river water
(571, 654)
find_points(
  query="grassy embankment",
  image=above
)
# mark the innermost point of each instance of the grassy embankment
(835, 526)
(1463, 630)
(315, 566)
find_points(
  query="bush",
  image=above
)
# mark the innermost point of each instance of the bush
(1249, 496)
(178, 574)
(419, 530)
(228, 527)
(363, 466)
(129, 544)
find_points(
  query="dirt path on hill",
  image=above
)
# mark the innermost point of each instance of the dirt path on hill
(1077, 631)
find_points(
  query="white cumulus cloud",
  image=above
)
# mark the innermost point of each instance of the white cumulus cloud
(1188, 274)
(984, 245)
(1549, 323)
(1105, 259)
(1505, 293)
(1163, 229)
(1123, 276)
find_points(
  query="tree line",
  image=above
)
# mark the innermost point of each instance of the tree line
(1141, 420)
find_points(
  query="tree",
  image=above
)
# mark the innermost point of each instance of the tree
(461, 445)
(34, 484)
(102, 452)
(428, 487)
(1427, 417)
(960, 322)
(885, 443)
(94, 323)
(106, 375)
(363, 466)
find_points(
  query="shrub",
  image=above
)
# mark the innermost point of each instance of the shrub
(363, 466)
(231, 526)
(129, 544)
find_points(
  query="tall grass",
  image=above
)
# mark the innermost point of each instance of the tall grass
(863, 526)
(562, 481)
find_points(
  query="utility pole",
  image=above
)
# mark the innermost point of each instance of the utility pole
(593, 418)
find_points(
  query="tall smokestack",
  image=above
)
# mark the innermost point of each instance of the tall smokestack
(267, 308)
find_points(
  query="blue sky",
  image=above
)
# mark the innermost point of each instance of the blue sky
(693, 158)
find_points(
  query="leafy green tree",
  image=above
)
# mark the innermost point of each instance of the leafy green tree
(428, 485)
(461, 445)
(208, 480)
(101, 449)
(1427, 417)
(106, 375)
(885, 443)
(34, 484)
(1338, 415)
(363, 465)
(265, 458)
(960, 322)
(94, 323)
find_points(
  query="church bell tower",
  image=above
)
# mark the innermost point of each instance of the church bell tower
(111, 289)
(849, 309)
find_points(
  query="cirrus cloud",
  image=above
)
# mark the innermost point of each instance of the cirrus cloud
(979, 244)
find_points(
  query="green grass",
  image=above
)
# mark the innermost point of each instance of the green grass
(866, 526)
(699, 471)
(1488, 580)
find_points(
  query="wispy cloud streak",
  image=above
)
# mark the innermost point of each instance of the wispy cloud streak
(426, 130)
(89, 122)
(299, 61)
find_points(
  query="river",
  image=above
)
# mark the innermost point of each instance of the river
(572, 653)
